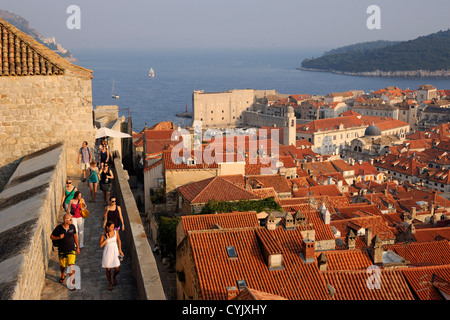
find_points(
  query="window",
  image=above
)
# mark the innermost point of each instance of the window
(241, 284)
(231, 251)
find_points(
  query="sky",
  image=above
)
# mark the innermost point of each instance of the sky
(326, 24)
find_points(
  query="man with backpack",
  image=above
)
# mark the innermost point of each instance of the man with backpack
(65, 237)
(84, 159)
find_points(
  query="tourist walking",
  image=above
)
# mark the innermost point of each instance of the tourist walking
(84, 159)
(93, 180)
(75, 210)
(112, 252)
(104, 154)
(66, 239)
(106, 176)
(113, 213)
(68, 194)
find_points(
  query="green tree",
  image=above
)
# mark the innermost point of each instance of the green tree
(167, 235)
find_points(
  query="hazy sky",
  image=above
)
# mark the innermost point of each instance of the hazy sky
(230, 23)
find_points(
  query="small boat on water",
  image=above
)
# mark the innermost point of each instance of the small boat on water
(113, 95)
(151, 73)
(185, 114)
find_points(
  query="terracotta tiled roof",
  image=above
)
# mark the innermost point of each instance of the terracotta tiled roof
(178, 164)
(346, 260)
(224, 220)
(352, 285)
(431, 234)
(216, 188)
(21, 55)
(265, 193)
(420, 278)
(331, 124)
(376, 223)
(326, 190)
(215, 271)
(434, 253)
(279, 183)
(384, 123)
(252, 294)
(399, 164)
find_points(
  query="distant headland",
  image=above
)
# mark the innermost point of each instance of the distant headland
(23, 25)
(427, 56)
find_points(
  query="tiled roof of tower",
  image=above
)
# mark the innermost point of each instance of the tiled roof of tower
(21, 55)
(352, 285)
(297, 280)
(224, 220)
(419, 279)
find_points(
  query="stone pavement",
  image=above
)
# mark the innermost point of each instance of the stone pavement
(94, 285)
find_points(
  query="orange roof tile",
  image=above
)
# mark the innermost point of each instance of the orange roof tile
(347, 259)
(224, 220)
(434, 253)
(216, 188)
(419, 279)
(215, 271)
(352, 285)
(21, 55)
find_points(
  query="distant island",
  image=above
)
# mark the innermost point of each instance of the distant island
(23, 25)
(426, 56)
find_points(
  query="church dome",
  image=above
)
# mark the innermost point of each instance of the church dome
(372, 130)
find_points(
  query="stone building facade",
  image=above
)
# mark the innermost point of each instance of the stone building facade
(224, 109)
(44, 99)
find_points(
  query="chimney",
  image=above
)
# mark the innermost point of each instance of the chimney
(377, 250)
(270, 222)
(308, 249)
(432, 208)
(371, 161)
(299, 219)
(232, 292)
(326, 216)
(412, 228)
(413, 212)
(289, 221)
(368, 236)
(351, 240)
(322, 262)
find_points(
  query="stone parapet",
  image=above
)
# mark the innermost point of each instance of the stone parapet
(145, 269)
(29, 207)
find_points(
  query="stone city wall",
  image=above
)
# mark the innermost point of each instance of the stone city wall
(145, 269)
(39, 111)
(29, 207)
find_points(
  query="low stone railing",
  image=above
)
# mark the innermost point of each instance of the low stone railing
(145, 269)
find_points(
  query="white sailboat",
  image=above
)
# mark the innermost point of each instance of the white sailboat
(114, 96)
(151, 74)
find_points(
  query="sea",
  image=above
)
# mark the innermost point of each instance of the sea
(178, 72)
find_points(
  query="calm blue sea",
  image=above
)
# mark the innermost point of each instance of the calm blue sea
(180, 72)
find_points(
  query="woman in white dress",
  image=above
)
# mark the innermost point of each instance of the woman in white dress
(112, 252)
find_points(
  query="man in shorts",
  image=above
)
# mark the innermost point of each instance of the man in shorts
(66, 237)
(84, 159)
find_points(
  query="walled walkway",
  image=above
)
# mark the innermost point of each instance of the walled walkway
(94, 285)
